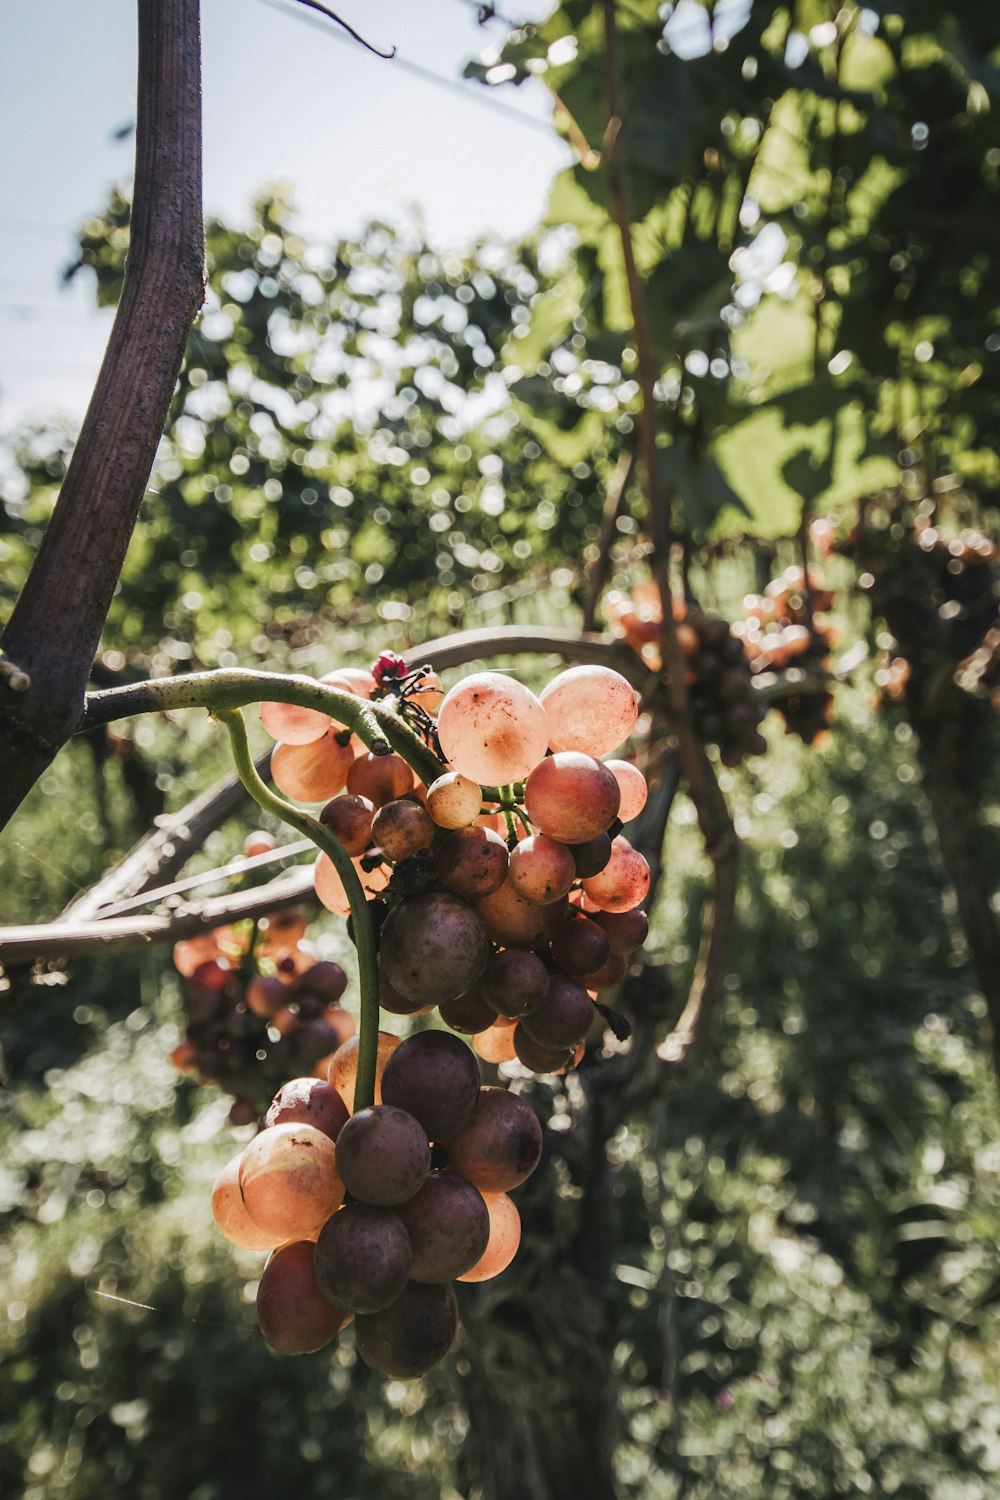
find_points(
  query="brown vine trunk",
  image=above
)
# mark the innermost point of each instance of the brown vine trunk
(953, 750)
(53, 634)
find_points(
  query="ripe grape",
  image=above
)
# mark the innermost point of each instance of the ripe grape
(505, 1236)
(433, 947)
(294, 1315)
(435, 1078)
(313, 772)
(453, 801)
(288, 1180)
(412, 1334)
(539, 1059)
(591, 709)
(401, 828)
(344, 1066)
(501, 1145)
(472, 862)
(350, 818)
(541, 870)
(571, 797)
(266, 996)
(631, 785)
(449, 1227)
(624, 881)
(363, 1257)
(308, 1101)
(581, 946)
(626, 930)
(491, 728)
(496, 1043)
(293, 725)
(564, 1018)
(383, 1155)
(230, 1214)
(380, 778)
(326, 980)
(509, 919)
(468, 1013)
(515, 982)
(591, 856)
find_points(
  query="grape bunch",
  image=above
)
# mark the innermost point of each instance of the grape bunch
(371, 1217)
(508, 910)
(725, 708)
(257, 1011)
(937, 595)
(787, 639)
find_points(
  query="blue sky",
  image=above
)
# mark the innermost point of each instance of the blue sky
(284, 98)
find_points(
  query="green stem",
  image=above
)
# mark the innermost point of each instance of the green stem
(364, 930)
(508, 806)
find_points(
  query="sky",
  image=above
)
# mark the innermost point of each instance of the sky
(286, 97)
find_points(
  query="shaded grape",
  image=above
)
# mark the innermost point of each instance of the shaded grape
(363, 1257)
(414, 1333)
(435, 1078)
(383, 1155)
(433, 947)
(449, 1227)
(472, 862)
(501, 1145)
(294, 1315)
(515, 982)
(565, 1016)
(401, 828)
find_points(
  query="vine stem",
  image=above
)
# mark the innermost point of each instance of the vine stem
(364, 929)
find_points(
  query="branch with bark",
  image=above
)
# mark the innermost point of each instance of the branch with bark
(52, 637)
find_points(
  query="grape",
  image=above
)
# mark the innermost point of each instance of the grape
(356, 680)
(449, 1227)
(395, 1003)
(591, 709)
(294, 1315)
(539, 1059)
(288, 1180)
(433, 947)
(190, 953)
(453, 801)
(350, 818)
(624, 881)
(402, 828)
(308, 1101)
(472, 862)
(435, 1078)
(344, 1066)
(231, 1217)
(383, 1155)
(609, 974)
(631, 785)
(541, 870)
(363, 1257)
(505, 1236)
(468, 1013)
(501, 1145)
(428, 693)
(565, 1016)
(266, 996)
(330, 887)
(591, 856)
(515, 982)
(496, 1043)
(313, 772)
(414, 1333)
(292, 724)
(571, 797)
(581, 946)
(491, 728)
(325, 979)
(380, 778)
(509, 919)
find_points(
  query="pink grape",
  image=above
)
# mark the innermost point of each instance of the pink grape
(492, 729)
(343, 1070)
(624, 881)
(288, 1180)
(453, 801)
(313, 772)
(633, 788)
(541, 870)
(571, 797)
(350, 818)
(380, 778)
(591, 709)
(505, 1236)
(293, 725)
(294, 1315)
(511, 920)
(230, 1214)
(496, 1043)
